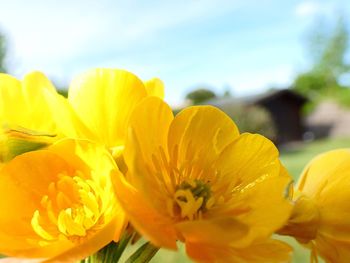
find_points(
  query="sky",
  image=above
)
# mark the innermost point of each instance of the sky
(244, 46)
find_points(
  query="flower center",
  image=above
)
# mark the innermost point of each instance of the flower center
(192, 198)
(71, 209)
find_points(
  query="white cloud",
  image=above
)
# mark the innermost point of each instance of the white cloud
(312, 8)
(308, 8)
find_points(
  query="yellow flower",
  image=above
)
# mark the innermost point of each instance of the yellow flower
(23, 103)
(321, 216)
(194, 178)
(58, 204)
(99, 105)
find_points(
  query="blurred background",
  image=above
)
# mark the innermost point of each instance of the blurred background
(280, 68)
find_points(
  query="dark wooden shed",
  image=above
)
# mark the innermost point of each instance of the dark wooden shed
(284, 107)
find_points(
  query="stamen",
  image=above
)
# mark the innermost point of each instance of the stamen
(188, 195)
(72, 209)
(193, 197)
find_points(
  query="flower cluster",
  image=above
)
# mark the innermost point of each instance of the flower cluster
(78, 174)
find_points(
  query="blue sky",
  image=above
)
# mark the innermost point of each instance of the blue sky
(244, 45)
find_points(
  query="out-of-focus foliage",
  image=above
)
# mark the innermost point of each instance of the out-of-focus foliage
(327, 49)
(200, 95)
(311, 84)
(63, 92)
(254, 119)
(3, 50)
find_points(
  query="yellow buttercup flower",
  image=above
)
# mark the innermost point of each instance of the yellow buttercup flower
(58, 204)
(321, 218)
(194, 178)
(99, 106)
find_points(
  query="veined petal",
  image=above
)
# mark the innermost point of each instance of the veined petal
(145, 151)
(149, 222)
(216, 231)
(250, 169)
(267, 194)
(24, 104)
(104, 100)
(248, 158)
(321, 170)
(81, 154)
(200, 133)
(38, 114)
(91, 246)
(333, 203)
(273, 251)
(149, 125)
(10, 91)
(332, 250)
(67, 121)
(155, 87)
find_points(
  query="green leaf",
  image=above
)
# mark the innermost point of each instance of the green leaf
(143, 254)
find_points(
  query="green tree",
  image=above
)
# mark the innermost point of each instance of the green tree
(3, 50)
(312, 84)
(327, 48)
(200, 95)
(331, 59)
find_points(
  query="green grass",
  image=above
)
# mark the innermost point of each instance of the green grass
(294, 159)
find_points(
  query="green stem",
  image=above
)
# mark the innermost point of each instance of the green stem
(143, 254)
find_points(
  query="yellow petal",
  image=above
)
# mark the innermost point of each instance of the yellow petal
(304, 221)
(24, 181)
(24, 103)
(333, 251)
(104, 100)
(216, 231)
(147, 221)
(269, 251)
(322, 169)
(269, 206)
(249, 167)
(67, 121)
(334, 207)
(147, 140)
(248, 158)
(150, 124)
(81, 154)
(90, 246)
(10, 92)
(155, 87)
(200, 133)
